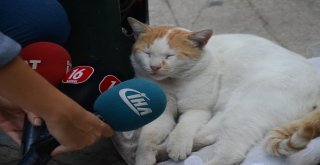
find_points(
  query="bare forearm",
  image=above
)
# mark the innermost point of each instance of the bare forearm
(66, 120)
(23, 86)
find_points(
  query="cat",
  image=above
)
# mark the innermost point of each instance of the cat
(294, 136)
(227, 90)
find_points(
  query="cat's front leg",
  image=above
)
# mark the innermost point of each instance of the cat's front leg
(180, 140)
(154, 134)
(208, 133)
(151, 136)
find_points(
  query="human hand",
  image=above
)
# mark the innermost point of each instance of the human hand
(71, 125)
(76, 128)
(12, 118)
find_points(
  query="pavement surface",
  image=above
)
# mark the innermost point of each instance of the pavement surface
(294, 24)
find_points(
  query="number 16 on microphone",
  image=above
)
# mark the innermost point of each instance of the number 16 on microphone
(78, 75)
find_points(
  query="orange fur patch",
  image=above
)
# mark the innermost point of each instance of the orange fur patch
(177, 40)
(146, 39)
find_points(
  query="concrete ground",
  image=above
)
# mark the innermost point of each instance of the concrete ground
(294, 24)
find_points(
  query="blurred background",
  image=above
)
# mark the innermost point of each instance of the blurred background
(294, 24)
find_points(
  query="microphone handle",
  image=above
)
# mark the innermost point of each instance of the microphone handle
(30, 134)
(39, 152)
(37, 144)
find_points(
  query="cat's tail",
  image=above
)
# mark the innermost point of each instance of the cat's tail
(293, 137)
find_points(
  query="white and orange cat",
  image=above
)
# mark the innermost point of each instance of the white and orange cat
(226, 90)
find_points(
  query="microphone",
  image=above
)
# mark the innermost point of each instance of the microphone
(86, 81)
(106, 95)
(126, 106)
(83, 83)
(52, 62)
(131, 104)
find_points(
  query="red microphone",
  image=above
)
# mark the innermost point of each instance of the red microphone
(50, 60)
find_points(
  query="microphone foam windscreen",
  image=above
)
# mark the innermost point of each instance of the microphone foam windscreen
(50, 60)
(131, 104)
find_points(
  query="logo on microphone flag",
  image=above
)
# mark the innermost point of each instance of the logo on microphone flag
(136, 101)
(78, 74)
(108, 82)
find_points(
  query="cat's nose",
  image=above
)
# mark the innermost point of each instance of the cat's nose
(155, 68)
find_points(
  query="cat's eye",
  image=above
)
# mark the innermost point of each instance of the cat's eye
(169, 55)
(147, 53)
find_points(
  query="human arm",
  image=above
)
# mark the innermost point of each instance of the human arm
(67, 121)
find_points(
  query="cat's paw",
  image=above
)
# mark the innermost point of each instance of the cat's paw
(204, 138)
(179, 146)
(148, 160)
(145, 156)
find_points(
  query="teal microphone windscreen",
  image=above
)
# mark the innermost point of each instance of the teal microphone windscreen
(131, 104)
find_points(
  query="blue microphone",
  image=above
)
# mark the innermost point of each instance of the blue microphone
(131, 104)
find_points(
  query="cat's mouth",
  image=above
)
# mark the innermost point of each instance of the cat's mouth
(157, 75)
(154, 73)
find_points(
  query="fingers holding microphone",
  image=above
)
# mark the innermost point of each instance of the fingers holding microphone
(77, 129)
(70, 122)
(126, 106)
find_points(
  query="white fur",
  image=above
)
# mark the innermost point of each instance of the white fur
(240, 88)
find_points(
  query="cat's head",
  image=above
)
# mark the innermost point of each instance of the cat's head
(165, 51)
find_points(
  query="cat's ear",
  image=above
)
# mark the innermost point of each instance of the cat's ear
(200, 38)
(138, 27)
